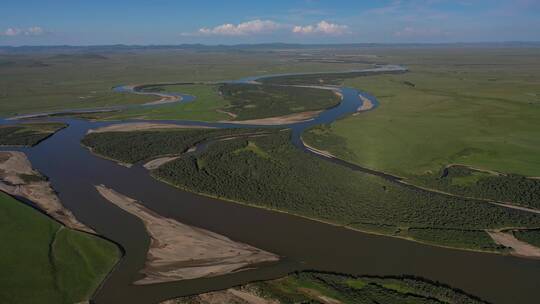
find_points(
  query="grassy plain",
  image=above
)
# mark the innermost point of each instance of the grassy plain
(44, 262)
(478, 107)
(269, 172)
(36, 82)
(205, 108)
(316, 287)
(27, 134)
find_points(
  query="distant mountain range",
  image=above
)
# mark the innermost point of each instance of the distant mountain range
(247, 47)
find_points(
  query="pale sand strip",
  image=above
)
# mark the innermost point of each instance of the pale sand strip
(519, 248)
(158, 162)
(279, 120)
(179, 252)
(317, 151)
(230, 296)
(12, 166)
(142, 126)
(230, 114)
(164, 99)
(366, 105)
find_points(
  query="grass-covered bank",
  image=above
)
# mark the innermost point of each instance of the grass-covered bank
(269, 172)
(27, 134)
(328, 288)
(44, 262)
(478, 108)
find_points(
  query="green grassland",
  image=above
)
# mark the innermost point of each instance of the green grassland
(37, 82)
(27, 134)
(205, 108)
(317, 287)
(476, 107)
(269, 172)
(44, 262)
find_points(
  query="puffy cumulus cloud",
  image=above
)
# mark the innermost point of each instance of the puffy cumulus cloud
(322, 27)
(31, 31)
(11, 32)
(241, 29)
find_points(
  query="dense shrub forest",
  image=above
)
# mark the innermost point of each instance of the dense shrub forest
(465, 181)
(269, 172)
(319, 287)
(132, 147)
(251, 101)
(27, 134)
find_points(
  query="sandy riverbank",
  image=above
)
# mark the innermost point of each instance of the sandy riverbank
(279, 120)
(366, 105)
(317, 151)
(519, 248)
(142, 126)
(163, 100)
(231, 295)
(19, 179)
(179, 252)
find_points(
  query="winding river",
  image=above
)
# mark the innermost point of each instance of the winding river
(302, 243)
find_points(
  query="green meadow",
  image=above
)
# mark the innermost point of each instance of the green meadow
(41, 261)
(476, 107)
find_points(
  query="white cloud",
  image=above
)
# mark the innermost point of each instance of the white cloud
(11, 32)
(31, 31)
(322, 27)
(241, 29)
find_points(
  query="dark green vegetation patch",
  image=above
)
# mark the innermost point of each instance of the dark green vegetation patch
(529, 236)
(132, 147)
(28, 134)
(474, 239)
(466, 181)
(269, 172)
(318, 287)
(44, 262)
(251, 101)
(320, 78)
(314, 287)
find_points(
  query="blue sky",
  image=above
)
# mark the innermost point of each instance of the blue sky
(81, 22)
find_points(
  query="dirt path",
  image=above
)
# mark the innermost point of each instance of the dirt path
(179, 252)
(19, 179)
(142, 126)
(519, 248)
